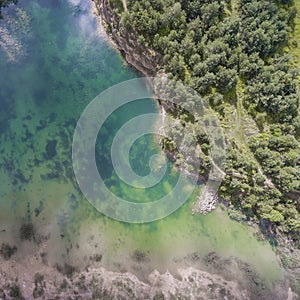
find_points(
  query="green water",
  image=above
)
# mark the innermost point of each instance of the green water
(53, 62)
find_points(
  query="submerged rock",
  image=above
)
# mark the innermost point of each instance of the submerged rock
(7, 251)
(27, 232)
(140, 256)
(51, 149)
(39, 209)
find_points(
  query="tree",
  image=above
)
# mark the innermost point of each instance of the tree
(226, 80)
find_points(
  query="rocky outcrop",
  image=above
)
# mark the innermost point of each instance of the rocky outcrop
(99, 283)
(15, 35)
(143, 59)
(217, 279)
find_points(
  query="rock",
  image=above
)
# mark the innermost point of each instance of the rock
(7, 251)
(51, 149)
(27, 232)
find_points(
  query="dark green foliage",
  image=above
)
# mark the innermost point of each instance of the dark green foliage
(263, 28)
(279, 157)
(274, 90)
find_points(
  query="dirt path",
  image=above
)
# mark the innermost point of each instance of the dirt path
(296, 50)
(239, 132)
(125, 5)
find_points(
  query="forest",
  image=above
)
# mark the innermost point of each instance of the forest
(236, 55)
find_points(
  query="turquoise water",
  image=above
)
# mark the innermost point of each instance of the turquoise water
(53, 62)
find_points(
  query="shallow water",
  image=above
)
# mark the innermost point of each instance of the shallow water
(53, 62)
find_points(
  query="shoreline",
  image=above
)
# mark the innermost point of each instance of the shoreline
(95, 282)
(115, 38)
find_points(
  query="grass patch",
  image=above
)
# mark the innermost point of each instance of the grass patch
(295, 49)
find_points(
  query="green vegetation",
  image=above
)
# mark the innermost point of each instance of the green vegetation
(5, 3)
(235, 55)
